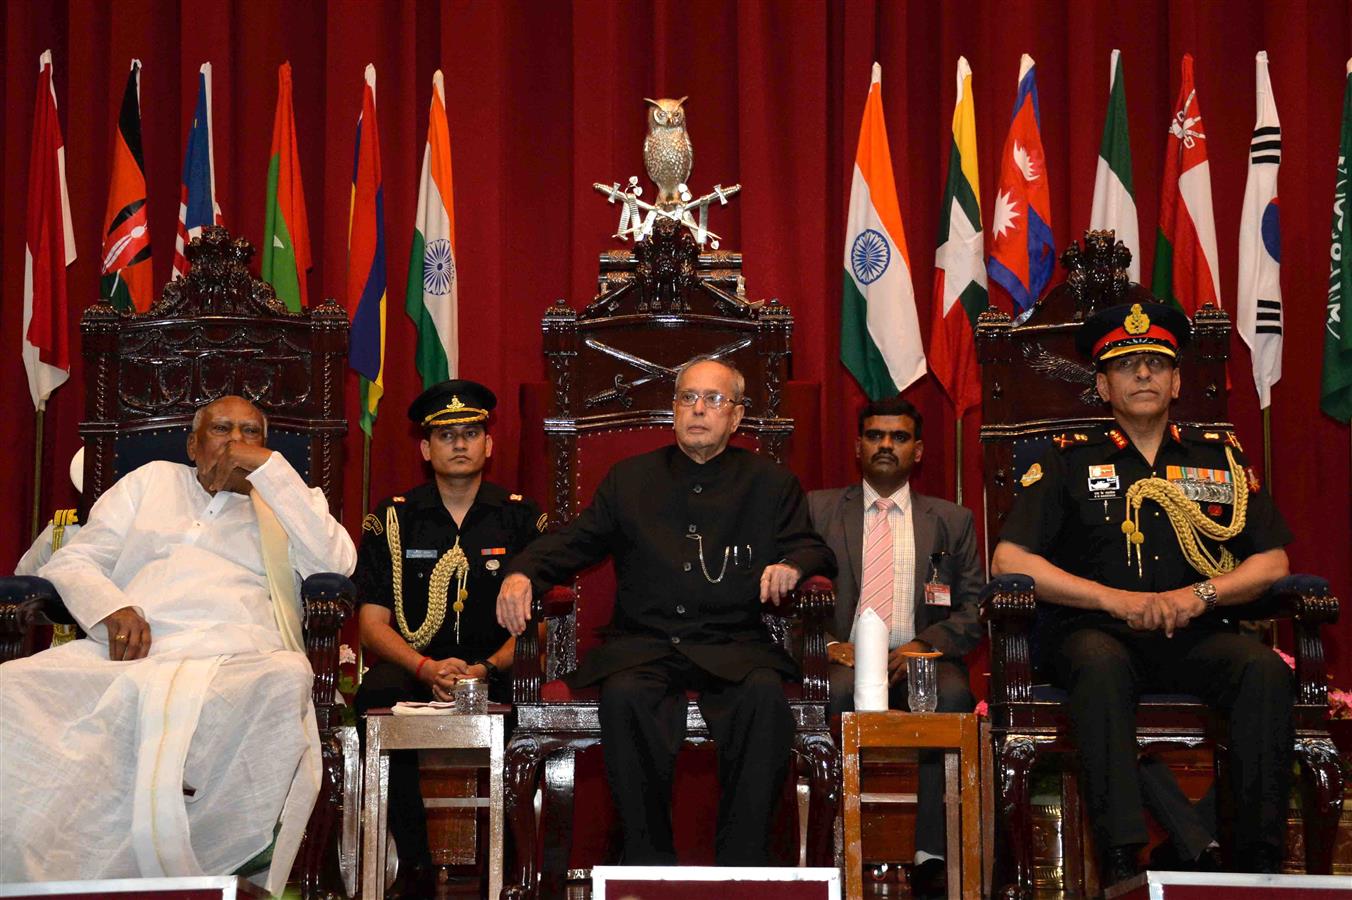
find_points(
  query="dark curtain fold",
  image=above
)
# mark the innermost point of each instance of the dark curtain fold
(545, 97)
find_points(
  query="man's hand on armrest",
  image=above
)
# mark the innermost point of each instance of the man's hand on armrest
(514, 600)
(777, 581)
(128, 634)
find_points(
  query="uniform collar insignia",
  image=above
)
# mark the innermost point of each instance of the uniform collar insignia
(1118, 438)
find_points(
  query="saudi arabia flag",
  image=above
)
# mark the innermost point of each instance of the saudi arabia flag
(432, 289)
(879, 332)
(1114, 205)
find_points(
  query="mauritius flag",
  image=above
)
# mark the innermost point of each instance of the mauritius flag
(433, 282)
(286, 231)
(879, 332)
(197, 207)
(1022, 252)
(1186, 272)
(959, 273)
(366, 259)
(126, 237)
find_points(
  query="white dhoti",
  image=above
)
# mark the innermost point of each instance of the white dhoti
(163, 766)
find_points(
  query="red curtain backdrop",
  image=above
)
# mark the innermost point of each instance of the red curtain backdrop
(544, 98)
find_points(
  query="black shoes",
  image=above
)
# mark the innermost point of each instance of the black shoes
(1119, 864)
(929, 880)
(1166, 858)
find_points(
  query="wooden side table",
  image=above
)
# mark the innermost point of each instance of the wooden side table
(954, 733)
(471, 740)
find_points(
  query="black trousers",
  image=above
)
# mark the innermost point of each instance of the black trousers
(1106, 668)
(955, 695)
(642, 727)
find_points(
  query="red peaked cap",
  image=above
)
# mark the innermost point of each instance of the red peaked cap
(1133, 328)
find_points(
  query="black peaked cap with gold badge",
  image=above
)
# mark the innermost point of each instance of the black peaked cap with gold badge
(455, 402)
(1133, 328)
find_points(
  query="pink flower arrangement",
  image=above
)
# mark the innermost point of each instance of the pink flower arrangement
(1340, 701)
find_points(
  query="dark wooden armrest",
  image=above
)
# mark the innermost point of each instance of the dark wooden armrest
(1309, 601)
(527, 674)
(1009, 606)
(27, 601)
(327, 600)
(814, 600)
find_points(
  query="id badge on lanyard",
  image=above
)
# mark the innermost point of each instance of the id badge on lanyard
(936, 592)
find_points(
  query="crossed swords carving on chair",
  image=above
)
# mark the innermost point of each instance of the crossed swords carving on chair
(652, 371)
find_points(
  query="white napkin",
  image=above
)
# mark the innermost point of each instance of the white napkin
(411, 708)
(870, 662)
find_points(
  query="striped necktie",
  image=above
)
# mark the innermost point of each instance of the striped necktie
(876, 591)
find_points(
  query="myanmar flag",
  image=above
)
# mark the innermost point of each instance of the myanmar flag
(1186, 272)
(959, 266)
(366, 259)
(433, 282)
(126, 280)
(1114, 205)
(879, 332)
(286, 230)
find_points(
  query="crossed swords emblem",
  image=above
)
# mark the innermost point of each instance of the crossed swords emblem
(653, 371)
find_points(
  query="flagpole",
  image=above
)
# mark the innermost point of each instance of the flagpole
(33, 525)
(957, 444)
(1267, 446)
(365, 474)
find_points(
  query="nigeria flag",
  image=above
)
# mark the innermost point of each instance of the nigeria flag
(1114, 204)
(432, 284)
(879, 331)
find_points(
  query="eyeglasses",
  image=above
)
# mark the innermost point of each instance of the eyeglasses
(712, 399)
(1155, 362)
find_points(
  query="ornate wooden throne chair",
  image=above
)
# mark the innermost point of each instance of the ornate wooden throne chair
(1035, 386)
(611, 378)
(219, 331)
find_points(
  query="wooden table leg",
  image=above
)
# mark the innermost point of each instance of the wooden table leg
(373, 814)
(854, 844)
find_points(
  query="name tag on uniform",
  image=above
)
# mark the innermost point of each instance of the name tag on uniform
(1104, 482)
(938, 595)
(413, 553)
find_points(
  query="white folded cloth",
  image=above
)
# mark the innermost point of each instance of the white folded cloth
(411, 708)
(870, 662)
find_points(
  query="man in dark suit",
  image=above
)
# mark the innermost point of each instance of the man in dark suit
(702, 534)
(920, 574)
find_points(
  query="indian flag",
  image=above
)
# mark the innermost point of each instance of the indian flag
(960, 292)
(1114, 206)
(879, 331)
(431, 298)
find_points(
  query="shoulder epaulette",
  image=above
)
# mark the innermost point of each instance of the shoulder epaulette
(398, 499)
(1203, 435)
(372, 524)
(516, 498)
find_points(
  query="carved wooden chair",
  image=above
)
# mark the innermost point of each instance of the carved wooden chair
(218, 331)
(612, 371)
(1035, 386)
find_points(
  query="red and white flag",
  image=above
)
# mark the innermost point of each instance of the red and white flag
(49, 248)
(1186, 272)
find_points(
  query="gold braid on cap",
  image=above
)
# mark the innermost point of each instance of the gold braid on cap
(1188, 521)
(453, 563)
(454, 413)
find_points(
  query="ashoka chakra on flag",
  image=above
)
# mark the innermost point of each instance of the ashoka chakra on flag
(869, 256)
(438, 267)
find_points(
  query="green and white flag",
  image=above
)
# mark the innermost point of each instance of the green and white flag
(431, 298)
(879, 331)
(1335, 391)
(1114, 204)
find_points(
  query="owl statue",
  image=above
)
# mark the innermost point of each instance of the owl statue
(666, 150)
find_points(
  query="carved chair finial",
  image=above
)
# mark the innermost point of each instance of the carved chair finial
(1097, 274)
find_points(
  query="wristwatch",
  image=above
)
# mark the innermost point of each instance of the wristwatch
(1206, 592)
(491, 671)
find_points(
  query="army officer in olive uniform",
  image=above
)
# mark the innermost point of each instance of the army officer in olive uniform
(428, 573)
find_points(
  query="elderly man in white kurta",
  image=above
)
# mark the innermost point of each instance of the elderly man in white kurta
(179, 737)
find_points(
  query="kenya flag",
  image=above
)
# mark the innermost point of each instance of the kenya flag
(126, 236)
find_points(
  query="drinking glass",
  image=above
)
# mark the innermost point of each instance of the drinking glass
(471, 697)
(922, 688)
